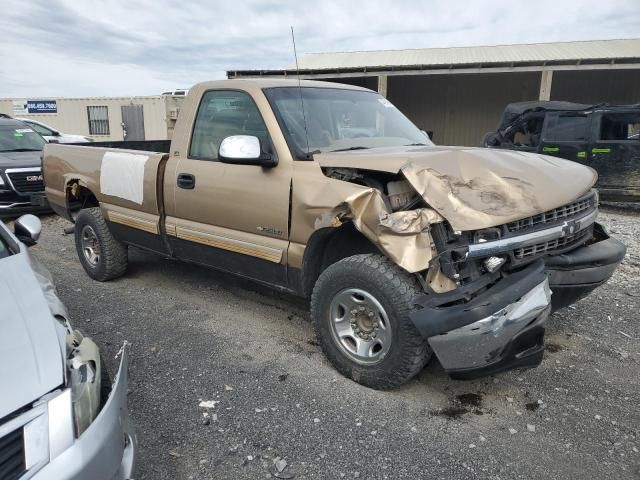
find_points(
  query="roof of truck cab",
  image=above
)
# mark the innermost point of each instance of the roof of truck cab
(274, 83)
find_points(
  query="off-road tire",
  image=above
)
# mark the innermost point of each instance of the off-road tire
(113, 258)
(394, 289)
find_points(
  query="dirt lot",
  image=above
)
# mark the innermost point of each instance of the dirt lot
(200, 335)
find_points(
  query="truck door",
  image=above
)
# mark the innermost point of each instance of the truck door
(615, 153)
(566, 135)
(231, 217)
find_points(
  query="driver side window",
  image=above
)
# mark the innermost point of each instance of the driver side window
(221, 114)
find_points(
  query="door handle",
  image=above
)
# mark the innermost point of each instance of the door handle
(186, 181)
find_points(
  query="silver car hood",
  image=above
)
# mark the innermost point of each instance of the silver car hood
(31, 358)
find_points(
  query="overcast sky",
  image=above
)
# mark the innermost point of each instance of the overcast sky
(143, 47)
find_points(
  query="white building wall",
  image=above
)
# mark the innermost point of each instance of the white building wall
(72, 115)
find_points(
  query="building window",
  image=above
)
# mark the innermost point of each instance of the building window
(98, 120)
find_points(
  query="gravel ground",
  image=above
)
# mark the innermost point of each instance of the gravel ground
(200, 335)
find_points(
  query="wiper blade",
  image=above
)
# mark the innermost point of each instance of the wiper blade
(416, 145)
(350, 148)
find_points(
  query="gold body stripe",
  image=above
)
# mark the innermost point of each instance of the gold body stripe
(134, 222)
(233, 245)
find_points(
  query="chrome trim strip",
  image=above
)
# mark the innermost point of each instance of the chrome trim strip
(22, 420)
(571, 227)
(11, 205)
(23, 169)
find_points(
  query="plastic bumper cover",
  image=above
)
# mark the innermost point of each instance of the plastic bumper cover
(107, 449)
(575, 274)
(499, 329)
(510, 338)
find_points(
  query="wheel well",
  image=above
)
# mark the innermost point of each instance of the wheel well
(79, 197)
(328, 246)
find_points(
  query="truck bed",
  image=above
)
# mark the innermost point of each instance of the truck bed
(124, 177)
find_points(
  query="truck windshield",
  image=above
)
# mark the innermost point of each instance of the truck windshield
(336, 119)
(17, 137)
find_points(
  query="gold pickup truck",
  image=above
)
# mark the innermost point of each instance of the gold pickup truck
(328, 191)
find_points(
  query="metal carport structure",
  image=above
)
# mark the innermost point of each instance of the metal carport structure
(459, 93)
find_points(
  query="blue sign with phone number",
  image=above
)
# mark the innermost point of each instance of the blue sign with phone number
(42, 106)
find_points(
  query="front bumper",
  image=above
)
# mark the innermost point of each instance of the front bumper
(500, 329)
(477, 334)
(575, 274)
(13, 204)
(107, 449)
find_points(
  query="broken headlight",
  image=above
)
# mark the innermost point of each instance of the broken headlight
(84, 374)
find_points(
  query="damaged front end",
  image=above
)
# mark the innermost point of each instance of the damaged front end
(488, 248)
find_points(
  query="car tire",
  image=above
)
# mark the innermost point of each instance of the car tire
(101, 255)
(360, 310)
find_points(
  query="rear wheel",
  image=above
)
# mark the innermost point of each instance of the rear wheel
(101, 255)
(360, 309)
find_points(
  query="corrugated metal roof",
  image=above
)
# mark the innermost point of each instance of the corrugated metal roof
(497, 54)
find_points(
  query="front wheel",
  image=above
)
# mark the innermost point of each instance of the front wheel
(360, 309)
(101, 255)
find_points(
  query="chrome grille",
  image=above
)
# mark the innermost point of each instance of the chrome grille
(12, 460)
(552, 245)
(26, 181)
(566, 211)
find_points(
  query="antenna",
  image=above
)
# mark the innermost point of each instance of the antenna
(304, 117)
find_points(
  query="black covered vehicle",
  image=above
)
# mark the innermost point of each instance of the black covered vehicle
(603, 137)
(20, 168)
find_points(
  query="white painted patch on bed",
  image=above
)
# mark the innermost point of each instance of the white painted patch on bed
(122, 175)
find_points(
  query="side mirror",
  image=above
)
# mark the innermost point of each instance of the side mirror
(244, 150)
(55, 133)
(27, 228)
(491, 139)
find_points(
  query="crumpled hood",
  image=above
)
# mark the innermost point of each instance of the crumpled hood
(20, 159)
(31, 362)
(475, 188)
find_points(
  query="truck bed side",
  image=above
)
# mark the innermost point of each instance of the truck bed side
(124, 182)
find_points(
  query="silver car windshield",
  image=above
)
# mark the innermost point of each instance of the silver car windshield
(329, 120)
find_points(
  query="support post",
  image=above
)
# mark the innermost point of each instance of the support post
(382, 85)
(545, 85)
